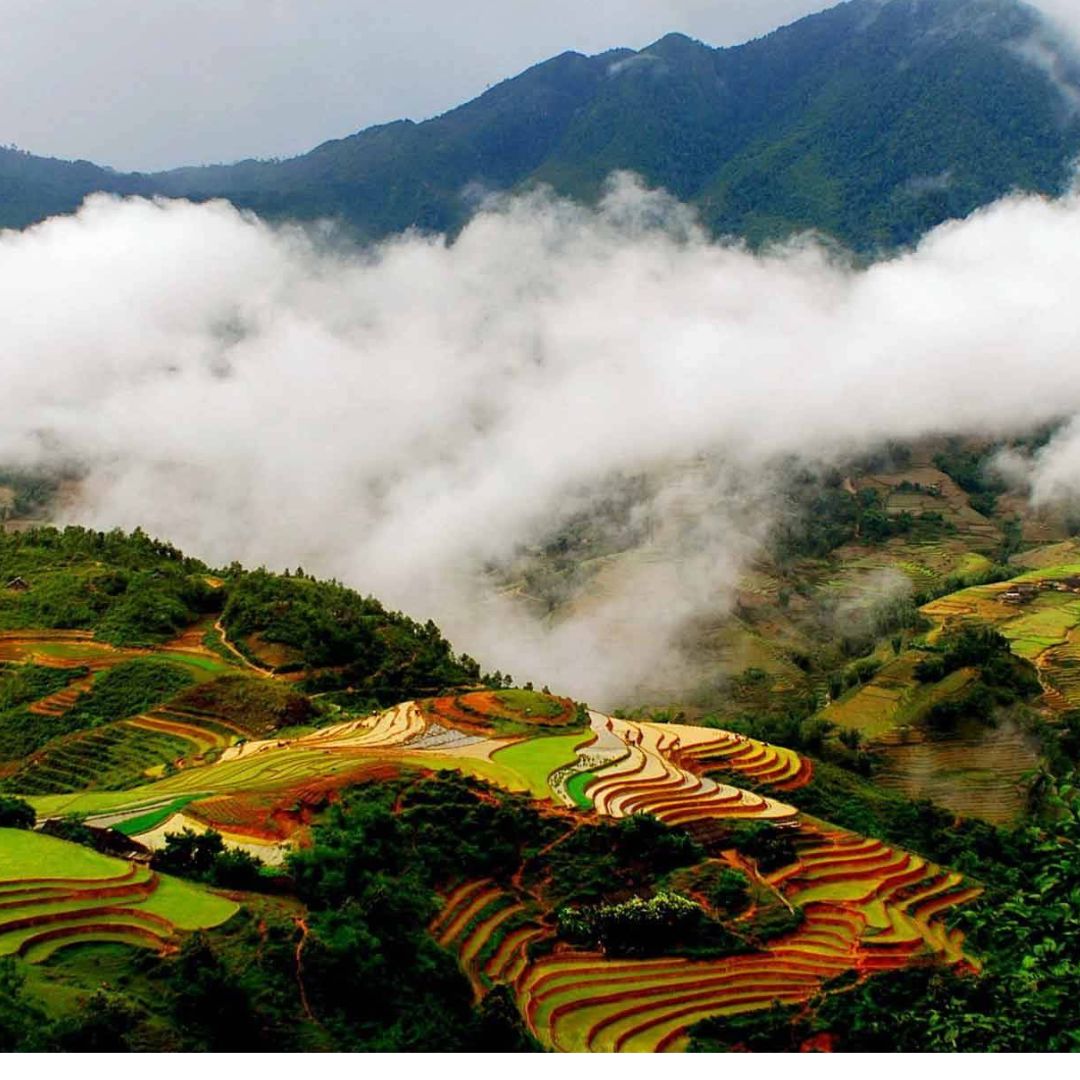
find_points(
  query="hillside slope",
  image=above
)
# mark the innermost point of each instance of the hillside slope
(485, 868)
(872, 121)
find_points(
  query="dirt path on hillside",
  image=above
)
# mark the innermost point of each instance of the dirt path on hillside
(238, 654)
(302, 926)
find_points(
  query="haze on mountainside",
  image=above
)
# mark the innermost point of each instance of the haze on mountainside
(417, 417)
(409, 421)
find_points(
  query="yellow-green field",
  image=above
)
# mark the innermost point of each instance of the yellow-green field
(56, 894)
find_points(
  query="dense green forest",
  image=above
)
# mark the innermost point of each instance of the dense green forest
(355, 642)
(871, 122)
(130, 589)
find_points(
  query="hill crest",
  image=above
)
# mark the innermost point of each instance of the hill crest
(828, 123)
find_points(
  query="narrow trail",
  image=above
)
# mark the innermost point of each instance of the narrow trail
(301, 924)
(1053, 698)
(238, 654)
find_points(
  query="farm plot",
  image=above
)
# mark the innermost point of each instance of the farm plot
(77, 648)
(114, 756)
(650, 781)
(1060, 668)
(576, 1001)
(643, 779)
(53, 894)
(503, 712)
(201, 735)
(898, 896)
(535, 760)
(60, 701)
(1043, 627)
(489, 929)
(249, 792)
(58, 648)
(763, 763)
(568, 783)
(866, 908)
(1045, 630)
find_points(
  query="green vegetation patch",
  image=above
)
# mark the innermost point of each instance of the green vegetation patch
(201, 667)
(188, 906)
(352, 641)
(25, 854)
(129, 689)
(575, 788)
(536, 759)
(95, 802)
(141, 823)
(529, 703)
(128, 588)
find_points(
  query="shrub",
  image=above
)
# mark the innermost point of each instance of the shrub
(770, 847)
(16, 814)
(634, 927)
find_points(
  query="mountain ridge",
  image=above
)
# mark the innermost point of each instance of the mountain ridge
(871, 121)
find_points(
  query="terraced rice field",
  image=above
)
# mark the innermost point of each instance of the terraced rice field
(867, 907)
(77, 648)
(199, 733)
(893, 699)
(127, 752)
(649, 779)
(759, 762)
(569, 783)
(1045, 631)
(515, 711)
(871, 709)
(940, 494)
(67, 647)
(489, 928)
(617, 768)
(1060, 668)
(53, 894)
(114, 756)
(975, 772)
(576, 1001)
(1041, 627)
(57, 704)
(924, 563)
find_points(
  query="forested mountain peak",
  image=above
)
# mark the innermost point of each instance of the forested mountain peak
(871, 121)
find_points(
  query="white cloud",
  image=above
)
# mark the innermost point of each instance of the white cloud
(406, 418)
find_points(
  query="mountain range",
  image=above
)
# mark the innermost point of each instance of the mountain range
(870, 122)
